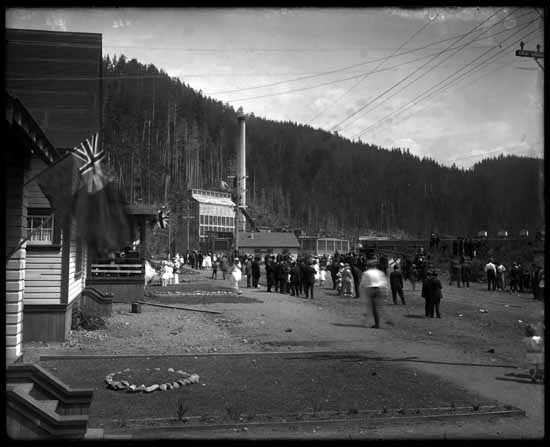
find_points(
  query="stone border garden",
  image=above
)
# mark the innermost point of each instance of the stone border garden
(184, 379)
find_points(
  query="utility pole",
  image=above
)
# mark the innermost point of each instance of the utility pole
(536, 55)
(187, 217)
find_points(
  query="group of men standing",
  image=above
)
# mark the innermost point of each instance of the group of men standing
(460, 270)
(520, 280)
(286, 275)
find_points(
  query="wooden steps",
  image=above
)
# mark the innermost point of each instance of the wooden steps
(40, 406)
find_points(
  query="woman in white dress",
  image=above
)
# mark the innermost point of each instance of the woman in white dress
(207, 262)
(317, 269)
(236, 275)
(322, 276)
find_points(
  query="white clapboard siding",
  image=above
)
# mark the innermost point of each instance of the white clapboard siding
(43, 275)
(49, 259)
(45, 268)
(75, 284)
(42, 278)
(35, 301)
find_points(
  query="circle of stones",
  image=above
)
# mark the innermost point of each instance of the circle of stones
(186, 379)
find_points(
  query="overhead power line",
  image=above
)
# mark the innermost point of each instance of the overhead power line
(430, 92)
(417, 32)
(485, 52)
(363, 107)
(359, 64)
(300, 89)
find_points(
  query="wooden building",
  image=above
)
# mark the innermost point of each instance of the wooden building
(263, 242)
(53, 84)
(323, 245)
(57, 77)
(123, 276)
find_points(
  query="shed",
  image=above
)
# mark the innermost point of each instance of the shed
(268, 242)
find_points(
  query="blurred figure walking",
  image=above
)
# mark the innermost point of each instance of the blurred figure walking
(375, 285)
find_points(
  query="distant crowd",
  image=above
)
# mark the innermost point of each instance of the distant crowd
(349, 273)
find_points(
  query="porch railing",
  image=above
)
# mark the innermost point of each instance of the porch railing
(108, 269)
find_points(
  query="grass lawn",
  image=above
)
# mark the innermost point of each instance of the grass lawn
(249, 387)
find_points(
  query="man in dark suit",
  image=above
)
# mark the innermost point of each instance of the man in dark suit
(269, 273)
(396, 284)
(308, 279)
(295, 279)
(357, 272)
(433, 295)
(255, 272)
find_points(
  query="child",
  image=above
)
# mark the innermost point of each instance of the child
(322, 276)
(236, 275)
(535, 353)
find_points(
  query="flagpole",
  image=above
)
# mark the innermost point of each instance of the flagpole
(33, 232)
(34, 177)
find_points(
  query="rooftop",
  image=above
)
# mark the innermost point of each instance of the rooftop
(212, 197)
(267, 240)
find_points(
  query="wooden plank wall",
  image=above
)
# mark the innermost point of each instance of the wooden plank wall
(57, 76)
(35, 196)
(43, 276)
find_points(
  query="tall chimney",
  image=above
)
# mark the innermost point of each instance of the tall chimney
(241, 171)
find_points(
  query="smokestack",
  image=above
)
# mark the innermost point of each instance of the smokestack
(241, 171)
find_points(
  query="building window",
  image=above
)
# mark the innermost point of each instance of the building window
(40, 228)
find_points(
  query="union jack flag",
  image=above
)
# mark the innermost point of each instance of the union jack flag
(88, 152)
(163, 218)
(78, 188)
(91, 157)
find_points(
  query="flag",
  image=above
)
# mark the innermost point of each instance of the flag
(78, 186)
(101, 218)
(59, 183)
(163, 218)
(91, 170)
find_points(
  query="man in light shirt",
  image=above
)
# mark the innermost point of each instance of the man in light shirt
(375, 285)
(491, 271)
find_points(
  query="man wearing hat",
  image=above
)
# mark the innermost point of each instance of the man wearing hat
(491, 272)
(424, 292)
(433, 295)
(396, 284)
(375, 284)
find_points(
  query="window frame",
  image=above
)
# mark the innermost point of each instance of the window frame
(55, 242)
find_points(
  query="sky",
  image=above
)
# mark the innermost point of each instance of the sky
(444, 83)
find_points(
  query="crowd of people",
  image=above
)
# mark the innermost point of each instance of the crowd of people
(376, 274)
(516, 279)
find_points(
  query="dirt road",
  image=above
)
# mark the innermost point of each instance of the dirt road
(474, 345)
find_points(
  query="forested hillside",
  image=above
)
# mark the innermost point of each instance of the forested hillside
(163, 136)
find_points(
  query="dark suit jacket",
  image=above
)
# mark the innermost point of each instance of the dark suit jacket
(396, 280)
